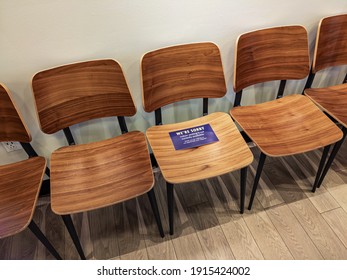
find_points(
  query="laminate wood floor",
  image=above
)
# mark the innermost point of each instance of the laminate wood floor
(287, 221)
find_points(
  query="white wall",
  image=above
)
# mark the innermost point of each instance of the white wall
(40, 34)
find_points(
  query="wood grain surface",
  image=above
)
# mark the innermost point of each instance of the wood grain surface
(180, 73)
(337, 219)
(286, 126)
(128, 235)
(331, 40)
(326, 241)
(210, 234)
(241, 240)
(20, 184)
(332, 100)
(78, 92)
(340, 193)
(267, 237)
(288, 189)
(99, 174)
(228, 154)
(302, 169)
(294, 236)
(12, 127)
(278, 53)
(103, 231)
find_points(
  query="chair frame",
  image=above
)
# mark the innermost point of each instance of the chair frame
(71, 141)
(320, 172)
(151, 196)
(45, 184)
(314, 69)
(322, 168)
(170, 186)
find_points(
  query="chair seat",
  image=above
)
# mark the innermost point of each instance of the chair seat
(180, 166)
(20, 184)
(90, 176)
(333, 100)
(286, 126)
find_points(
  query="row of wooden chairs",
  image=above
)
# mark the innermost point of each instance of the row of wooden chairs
(84, 177)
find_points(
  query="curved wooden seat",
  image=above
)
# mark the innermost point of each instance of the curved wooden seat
(287, 126)
(94, 175)
(20, 184)
(332, 100)
(228, 154)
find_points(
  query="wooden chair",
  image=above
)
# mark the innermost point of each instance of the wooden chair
(330, 50)
(180, 73)
(288, 125)
(20, 182)
(90, 176)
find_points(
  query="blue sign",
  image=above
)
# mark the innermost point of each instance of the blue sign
(193, 137)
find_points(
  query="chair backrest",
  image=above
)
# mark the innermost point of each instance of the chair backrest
(78, 92)
(180, 73)
(278, 53)
(331, 43)
(12, 127)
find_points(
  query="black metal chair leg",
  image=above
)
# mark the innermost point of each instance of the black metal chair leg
(153, 160)
(243, 189)
(154, 205)
(45, 187)
(321, 165)
(256, 179)
(72, 231)
(336, 148)
(48, 172)
(170, 203)
(40, 236)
